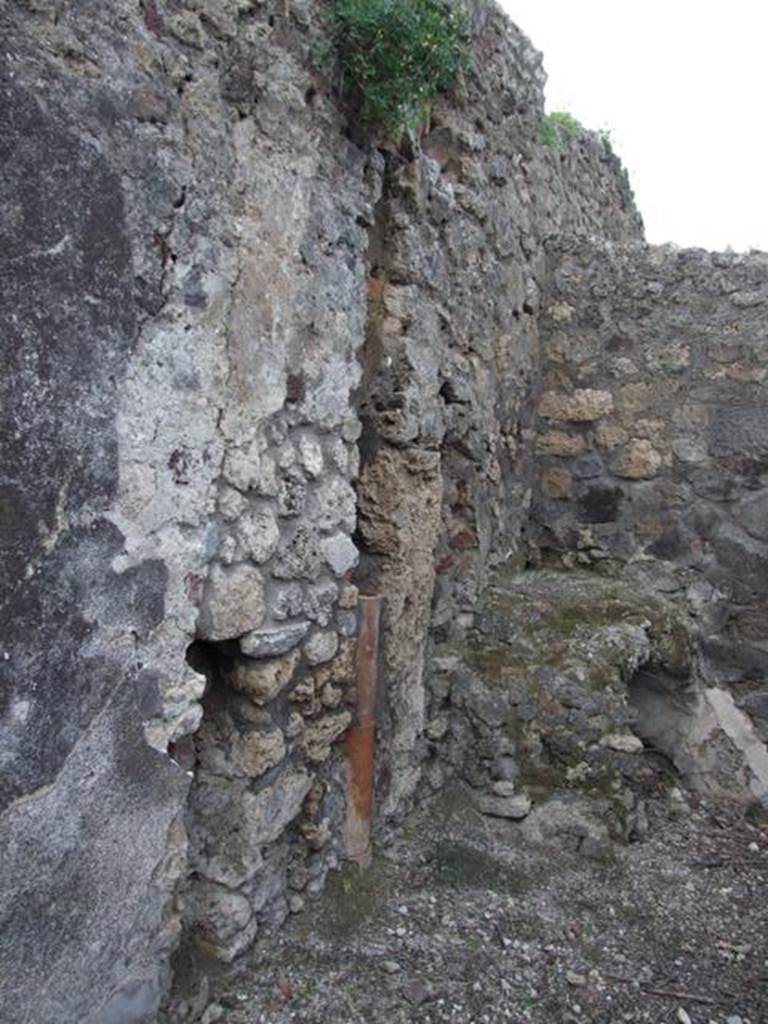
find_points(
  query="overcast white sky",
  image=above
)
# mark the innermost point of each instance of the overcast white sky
(683, 88)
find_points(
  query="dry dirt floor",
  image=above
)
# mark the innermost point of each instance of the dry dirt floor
(464, 919)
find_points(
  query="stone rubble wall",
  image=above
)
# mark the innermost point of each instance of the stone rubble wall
(184, 297)
(255, 361)
(536, 704)
(457, 267)
(652, 439)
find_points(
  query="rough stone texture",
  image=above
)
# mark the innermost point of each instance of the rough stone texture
(581, 406)
(177, 320)
(457, 268)
(269, 643)
(514, 807)
(224, 308)
(233, 603)
(539, 696)
(321, 647)
(680, 463)
(263, 680)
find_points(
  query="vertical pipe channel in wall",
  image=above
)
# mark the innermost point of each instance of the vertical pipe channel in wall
(360, 749)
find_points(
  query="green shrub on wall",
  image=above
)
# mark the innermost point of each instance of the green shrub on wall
(391, 57)
(559, 128)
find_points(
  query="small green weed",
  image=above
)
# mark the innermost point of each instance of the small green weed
(389, 58)
(559, 128)
(757, 814)
(604, 135)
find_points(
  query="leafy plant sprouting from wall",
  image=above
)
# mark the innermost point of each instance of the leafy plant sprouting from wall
(559, 128)
(391, 57)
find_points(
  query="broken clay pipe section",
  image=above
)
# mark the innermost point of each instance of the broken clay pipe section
(360, 747)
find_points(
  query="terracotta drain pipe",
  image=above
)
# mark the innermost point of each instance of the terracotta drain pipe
(360, 746)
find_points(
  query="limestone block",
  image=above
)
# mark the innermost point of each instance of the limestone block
(572, 822)
(638, 461)
(187, 28)
(346, 623)
(636, 397)
(319, 735)
(335, 506)
(674, 357)
(287, 601)
(318, 835)
(349, 596)
(256, 752)
(582, 406)
(610, 435)
(242, 823)
(231, 503)
(689, 449)
(321, 647)
(300, 556)
(272, 809)
(243, 467)
(514, 807)
(292, 493)
(561, 312)
(331, 696)
(219, 15)
(223, 919)
(218, 806)
(339, 553)
(437, 728)
(269, 643)
(622, 367)
(263, 680)
(503, 787)
(258, 535)
(311, 455)
(555, 442)
(320, 600)
(233, 603)
(622, 743)
(649, 429)
(340, 670)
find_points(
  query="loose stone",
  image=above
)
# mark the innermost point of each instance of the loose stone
(269, 643)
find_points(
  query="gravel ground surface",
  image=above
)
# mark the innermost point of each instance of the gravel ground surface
(467, 919)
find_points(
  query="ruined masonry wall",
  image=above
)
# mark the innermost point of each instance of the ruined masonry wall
(184, 298)
(652, 441)
(253, 361)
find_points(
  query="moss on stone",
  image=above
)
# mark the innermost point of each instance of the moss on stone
(462, 866)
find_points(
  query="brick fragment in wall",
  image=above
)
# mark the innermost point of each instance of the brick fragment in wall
(269, 643)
